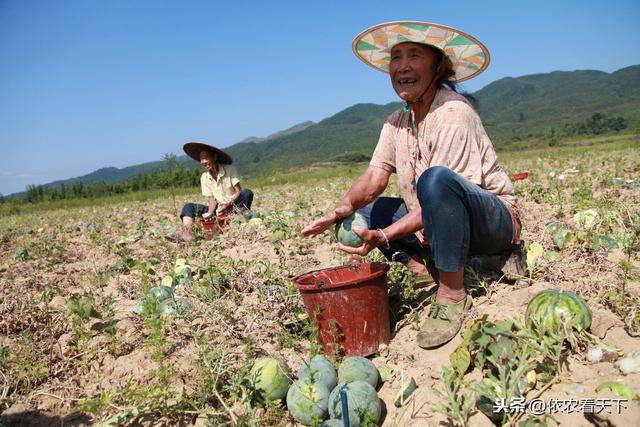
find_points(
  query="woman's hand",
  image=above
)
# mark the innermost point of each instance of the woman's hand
(320, 225)
(226, 207)
(371, 239)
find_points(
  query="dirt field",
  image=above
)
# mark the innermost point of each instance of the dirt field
(70, 366)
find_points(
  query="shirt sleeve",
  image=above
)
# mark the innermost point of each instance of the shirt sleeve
(384, 156)
(207, 191)
(233, 176)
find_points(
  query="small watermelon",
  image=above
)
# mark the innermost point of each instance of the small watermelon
(177, 306)
(321, 369)
(270, 378)
(308, 401)
(345, 233)
(362, 401)
(551, 307)
(357, 368)
(161, 293)
(247, 214)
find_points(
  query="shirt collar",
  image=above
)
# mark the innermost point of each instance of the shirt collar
(221, 172)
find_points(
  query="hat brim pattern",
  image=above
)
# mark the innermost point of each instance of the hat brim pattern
(193, 150)
(468, 55)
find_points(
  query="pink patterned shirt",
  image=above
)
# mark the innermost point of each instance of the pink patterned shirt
(451, 135)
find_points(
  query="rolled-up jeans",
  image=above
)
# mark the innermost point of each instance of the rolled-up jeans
(242, 202)
(459, 219)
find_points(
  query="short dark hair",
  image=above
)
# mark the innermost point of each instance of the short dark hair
(445, 75)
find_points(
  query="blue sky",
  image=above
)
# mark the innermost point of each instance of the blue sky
(86, 84)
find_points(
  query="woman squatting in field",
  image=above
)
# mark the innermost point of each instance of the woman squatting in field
(220, 184)
(456, 200)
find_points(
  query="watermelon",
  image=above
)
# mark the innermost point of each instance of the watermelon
(357, 368)
(362, 400)
(407, 389)
(551, 307)
(204, 292)
(345, 233)
(177, 306)
(270, 378)
(161, 292)
(308, 401)
(321, 369)
(487, 406)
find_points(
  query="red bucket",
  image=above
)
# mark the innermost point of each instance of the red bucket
(350, 306)
(212, 226)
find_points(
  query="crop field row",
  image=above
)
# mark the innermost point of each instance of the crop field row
(82, 342)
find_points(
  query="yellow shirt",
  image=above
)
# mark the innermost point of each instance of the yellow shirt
(221, 186)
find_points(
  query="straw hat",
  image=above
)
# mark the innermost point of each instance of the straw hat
(468, 55)
(193, 150)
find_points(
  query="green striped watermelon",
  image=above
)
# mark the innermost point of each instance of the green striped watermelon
(551, 307)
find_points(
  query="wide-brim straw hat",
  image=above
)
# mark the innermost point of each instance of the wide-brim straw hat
(193, 150)
(467, 54)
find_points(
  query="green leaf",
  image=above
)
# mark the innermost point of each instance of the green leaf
(552, 226)
(534, 252)
(563, 238)
(553, 256)
(607, 242)
(617, 388)
(483, 341)
(586, 219)
(82, 306)
(460, 360)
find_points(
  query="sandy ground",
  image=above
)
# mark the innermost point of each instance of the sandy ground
(35, 294)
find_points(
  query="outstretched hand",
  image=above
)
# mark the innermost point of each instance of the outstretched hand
(322, 224)
(371, 239)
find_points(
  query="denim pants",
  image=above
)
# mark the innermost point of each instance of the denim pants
(243, 202)
(459, 219)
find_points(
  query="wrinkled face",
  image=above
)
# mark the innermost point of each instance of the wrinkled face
(208, 160)
(412, 67)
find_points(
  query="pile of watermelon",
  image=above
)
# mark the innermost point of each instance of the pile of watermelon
(164, 294)
(317, 393)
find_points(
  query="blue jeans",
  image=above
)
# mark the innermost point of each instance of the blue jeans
(243, 202)
(459, 219)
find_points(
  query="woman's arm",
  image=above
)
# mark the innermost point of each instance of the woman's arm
(237, 189)
(213, 204)
(363, 190)
(371, 239)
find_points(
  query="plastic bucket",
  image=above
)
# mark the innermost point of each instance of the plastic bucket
(214, 225)
(350, 306)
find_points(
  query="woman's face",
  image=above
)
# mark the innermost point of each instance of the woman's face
(412, 67)
(208, 160)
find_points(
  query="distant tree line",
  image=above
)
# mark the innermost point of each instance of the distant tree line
(597, 124)
(172, 175)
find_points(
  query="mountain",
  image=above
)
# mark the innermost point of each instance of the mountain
(530, 104)
(289, 131)
(351, 131)
(511, 108)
